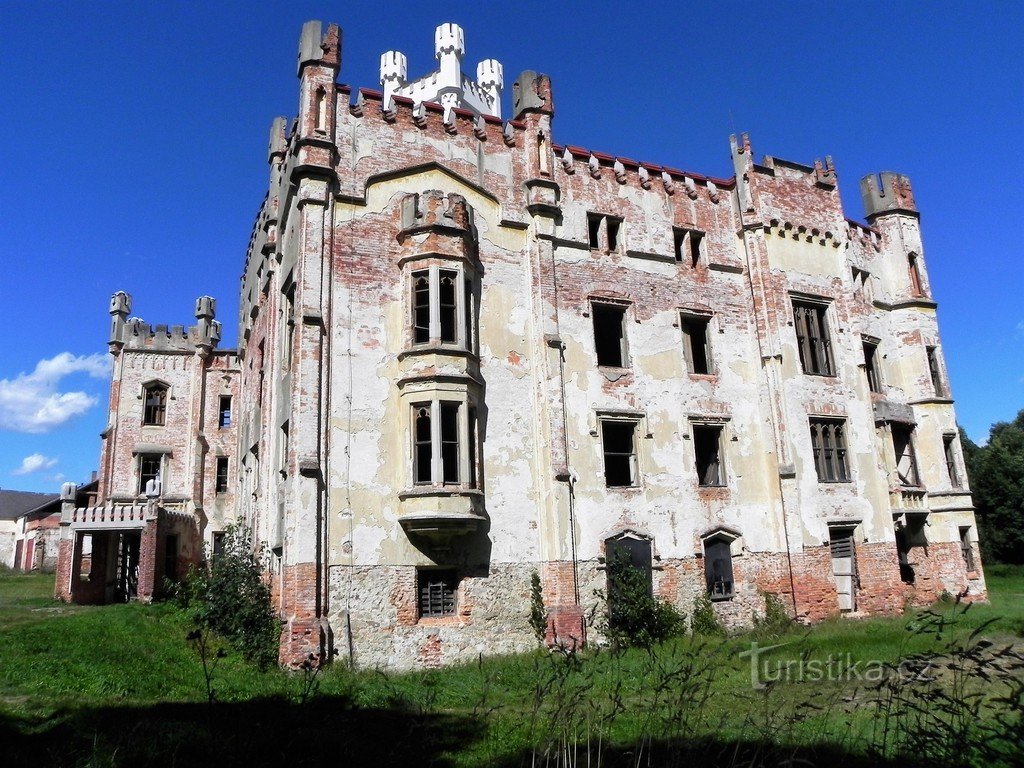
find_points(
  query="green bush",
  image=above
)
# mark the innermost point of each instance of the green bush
(775, 620)
(704, 620)
(538, 613)
(232, 599)
(634, 618)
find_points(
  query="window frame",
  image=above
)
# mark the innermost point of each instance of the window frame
(632, 457)
(610, 227)
(601, 306)
(143, 458)
(458, 470)
(717, 549)
(934, 364)
(686, 321)
(688, 245)
(912, 479)
(949, 453)
(158, 416)
(813, 338)
(829, 449)
(462, 307)
(721, 475)
(449, 598)
(967, 548)
(872, 370)
(222, 469)
(224, 414)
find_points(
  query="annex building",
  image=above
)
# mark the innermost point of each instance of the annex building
(469, 350)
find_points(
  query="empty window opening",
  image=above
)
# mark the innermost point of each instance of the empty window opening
(438, 592)
(155, 405)
(906, 461)
(949, 451)
(594, 229)
(718, 568)
(613, 233)
(861, 284)
(914, 273)
(707, 450)
(813, 343)
(171, 557)
(149, 469)
(448, 280)
(844, 567)
(619, 442)
(966, 549)
(688, 245)
(610, 334)
(450, 442)
(421, 307)
(871, 366)
(828, 438)
(224, 412)
(423, 449)
(935, 371)
(218, 543)
(597, 222)
(469, 308)
(695, 344)
(289, 324)
(628, 559)
(222, 474)
(471, 447)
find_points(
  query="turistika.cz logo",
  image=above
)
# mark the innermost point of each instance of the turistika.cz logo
(842, 667)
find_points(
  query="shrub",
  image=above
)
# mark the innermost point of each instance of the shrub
(775, 619)
(704, 620)
(634, 618)
(232, 599)
(538, 613)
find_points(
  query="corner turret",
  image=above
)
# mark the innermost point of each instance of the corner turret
(887, 193)
(207, 329)
(120, 307)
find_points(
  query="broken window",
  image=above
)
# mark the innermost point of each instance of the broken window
(618, 438)
(812, 338)
(718, 567)
(844, 567)
(707, 449)
(828, 438)
(222, 475)
(631, 552)
(155, 405)
(949, 451)
(695, 343)
(437, 591)
(442, 307)
(610, 334)
(935, 371)
(914, 273)
(688, 245)
(871, 366)
(966, 549)
(598, 223)
(150, 465)
(224, 412)
(906, 461)
(447, 454)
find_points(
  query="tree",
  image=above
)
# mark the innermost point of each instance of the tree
(996, 473)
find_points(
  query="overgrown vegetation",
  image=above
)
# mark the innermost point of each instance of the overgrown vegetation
(538, 613)
(996, 472)
(231, 599)
(634, 618)
(703, 620)
(118, 685)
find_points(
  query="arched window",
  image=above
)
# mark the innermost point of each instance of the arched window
(154, 412)
(718, 567)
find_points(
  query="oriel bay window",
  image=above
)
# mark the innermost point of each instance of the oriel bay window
(444, 443)
(442, 306)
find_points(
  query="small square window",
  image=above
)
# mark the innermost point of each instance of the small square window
(438, 592)
(707, 449)
(610, 334)
(619, 443)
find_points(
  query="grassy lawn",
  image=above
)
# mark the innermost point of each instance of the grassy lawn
(119, 685)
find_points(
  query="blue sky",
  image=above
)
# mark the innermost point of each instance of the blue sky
(136, 133)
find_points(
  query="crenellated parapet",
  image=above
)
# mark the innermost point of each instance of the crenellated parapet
(136, 334)
(887, 193)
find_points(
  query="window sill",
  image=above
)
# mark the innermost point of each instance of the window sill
(720, 598)
(830, 377)
(454, 489)
(455, 620)
(437, 349)
(702, 376)
(624, 488)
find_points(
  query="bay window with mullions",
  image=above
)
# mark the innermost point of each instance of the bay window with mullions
(442, 306)
(444, 443)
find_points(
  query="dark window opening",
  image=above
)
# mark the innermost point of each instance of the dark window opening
(619, 443)
(448, 308)
(610, 334)
(966, 549)
(935, 372)
(906, 461)
(695, 344)
(718, 568)
(613, 233)
(687, 245)
(871, 366)
(421, 307)
(289, 324)
(707, 451)
(285, 445)
(469, 311)
(437, 592)
(907, 575)
(914, 273)
(218, 543)
(611, 226)
(422, 448)
(171, 558)
(450, 442)
(149, 469)
(813, 344)
(630, 552)
(222, 474)
(471, 447)
(224, 417)
(155, 410)
(949, 451)
(828, 439)
(594, 229)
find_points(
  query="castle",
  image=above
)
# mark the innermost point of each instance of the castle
(468, 352)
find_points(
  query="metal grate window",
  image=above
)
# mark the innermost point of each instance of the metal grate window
(437, 591)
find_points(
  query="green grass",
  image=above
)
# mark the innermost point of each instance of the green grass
(119, 685)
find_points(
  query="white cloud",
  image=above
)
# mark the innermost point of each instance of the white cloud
(34, 463)
(32, 403)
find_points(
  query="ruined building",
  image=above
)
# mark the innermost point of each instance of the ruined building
(469, 351)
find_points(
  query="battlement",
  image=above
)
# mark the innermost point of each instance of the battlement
(436, 209)
(136, 334)
(887, 192)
